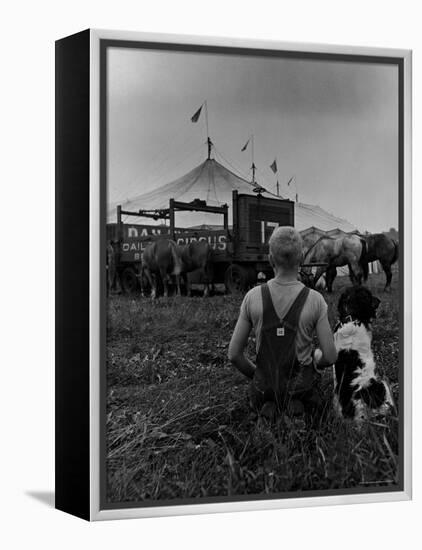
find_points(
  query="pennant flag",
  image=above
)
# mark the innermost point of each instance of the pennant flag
(290, 181)
(246, 144)
(273, 166)
(195, 117)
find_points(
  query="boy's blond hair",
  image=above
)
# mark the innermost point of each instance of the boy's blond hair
(286, 247)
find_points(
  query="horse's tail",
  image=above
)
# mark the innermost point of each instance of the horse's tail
(363, 260)
(396, 251)
(177, 260)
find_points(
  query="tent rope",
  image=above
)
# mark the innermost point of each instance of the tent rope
(239, 172)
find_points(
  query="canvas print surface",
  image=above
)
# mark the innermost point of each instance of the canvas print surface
(252, 275)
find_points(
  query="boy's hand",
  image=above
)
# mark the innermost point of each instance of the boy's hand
(317, 356)
(320, 363)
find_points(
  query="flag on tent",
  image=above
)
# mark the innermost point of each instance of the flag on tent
(195, 117)
(246, 144)
(290, 181)
(273, 166)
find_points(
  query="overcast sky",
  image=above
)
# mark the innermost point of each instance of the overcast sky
(332, 125)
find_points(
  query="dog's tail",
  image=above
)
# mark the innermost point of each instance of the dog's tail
(363, 260)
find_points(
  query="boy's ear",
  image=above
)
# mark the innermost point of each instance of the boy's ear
(270, 259)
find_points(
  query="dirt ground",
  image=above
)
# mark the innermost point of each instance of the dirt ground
(178, 421)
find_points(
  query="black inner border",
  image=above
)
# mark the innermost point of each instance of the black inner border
(252, 52)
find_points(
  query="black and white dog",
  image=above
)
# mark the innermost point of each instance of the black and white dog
(359, 392)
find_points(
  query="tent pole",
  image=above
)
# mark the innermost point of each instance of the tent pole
(206, 118)
(297, 190)
(253, 158)
(209, 143)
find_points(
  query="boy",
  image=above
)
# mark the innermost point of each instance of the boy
(285, 316)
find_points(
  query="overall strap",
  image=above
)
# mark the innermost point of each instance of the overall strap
(292, 316)
(269, 317)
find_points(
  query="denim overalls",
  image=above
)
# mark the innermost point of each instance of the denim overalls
(279, 377)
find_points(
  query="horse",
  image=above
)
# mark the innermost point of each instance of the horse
(384, 249)
(197, 255)
(309, 240)
(113, 282)
(161, 258)
(348, 250)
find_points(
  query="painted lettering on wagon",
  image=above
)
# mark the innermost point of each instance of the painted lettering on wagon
(217, 242)
(135, 232)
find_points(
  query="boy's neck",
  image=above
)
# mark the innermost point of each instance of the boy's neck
(285, 276)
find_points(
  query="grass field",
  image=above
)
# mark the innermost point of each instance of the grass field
(178, 422)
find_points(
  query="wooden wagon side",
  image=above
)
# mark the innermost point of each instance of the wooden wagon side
(240, 251)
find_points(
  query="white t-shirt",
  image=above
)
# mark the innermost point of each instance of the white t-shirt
(283, 294)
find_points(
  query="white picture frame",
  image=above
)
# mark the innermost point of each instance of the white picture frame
(90, 505)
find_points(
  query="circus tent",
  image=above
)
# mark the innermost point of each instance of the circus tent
(213, 182)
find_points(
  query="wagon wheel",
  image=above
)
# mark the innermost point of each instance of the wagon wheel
(129, 280)
(236, 279)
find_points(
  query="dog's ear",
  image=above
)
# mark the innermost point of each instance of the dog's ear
(375, 302)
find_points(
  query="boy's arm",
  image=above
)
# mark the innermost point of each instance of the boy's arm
(237, 347)
(327, 354)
